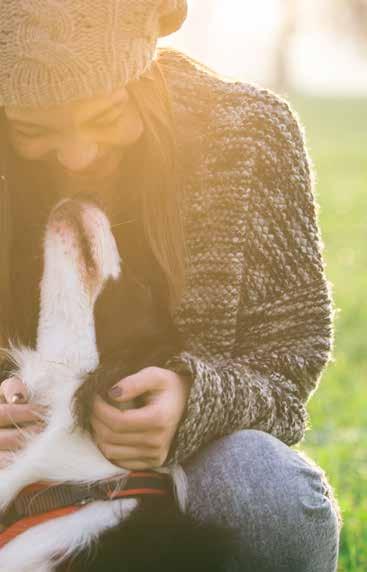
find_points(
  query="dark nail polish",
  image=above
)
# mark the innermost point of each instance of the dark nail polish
(115, 391)
(18, 398)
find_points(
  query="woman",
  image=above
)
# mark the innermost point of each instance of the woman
(209, 190)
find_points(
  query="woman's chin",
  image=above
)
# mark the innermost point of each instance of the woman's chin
(93, 182)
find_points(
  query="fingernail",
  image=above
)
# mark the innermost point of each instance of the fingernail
(18, 398)
(115, 391)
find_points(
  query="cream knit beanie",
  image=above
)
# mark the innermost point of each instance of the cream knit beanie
(56, 51)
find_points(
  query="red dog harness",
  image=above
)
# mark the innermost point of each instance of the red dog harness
(41, 502)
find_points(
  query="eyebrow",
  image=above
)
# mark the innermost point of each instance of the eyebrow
(100, 115)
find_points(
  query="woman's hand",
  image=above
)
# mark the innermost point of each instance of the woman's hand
(141, 438)
(15, 414)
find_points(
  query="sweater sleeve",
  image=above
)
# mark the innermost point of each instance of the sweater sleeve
(284, 328)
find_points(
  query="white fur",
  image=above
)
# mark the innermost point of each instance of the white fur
(53, 541)
(66, 350)
(66, 330)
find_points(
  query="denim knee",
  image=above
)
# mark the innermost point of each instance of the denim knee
(276, 499)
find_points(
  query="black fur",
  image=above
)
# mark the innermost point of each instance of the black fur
(142, 337)
(156, 538)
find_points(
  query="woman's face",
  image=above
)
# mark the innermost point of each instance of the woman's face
(82, 142)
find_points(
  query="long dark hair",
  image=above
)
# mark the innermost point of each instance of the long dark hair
(160, 188)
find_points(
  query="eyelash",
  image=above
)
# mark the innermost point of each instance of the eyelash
(35, 134)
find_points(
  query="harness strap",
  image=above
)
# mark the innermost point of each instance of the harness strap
(41, 502)
(25, 523)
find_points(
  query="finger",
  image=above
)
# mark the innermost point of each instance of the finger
(10, 440)
(135, 385)
(104, 434)
(129, 420)
(14, 390)
(115, 452)
(11, 415)
(14, 439)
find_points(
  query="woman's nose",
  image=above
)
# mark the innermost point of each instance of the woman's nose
(77, 155)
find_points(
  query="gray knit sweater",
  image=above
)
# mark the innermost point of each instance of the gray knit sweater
(257, 311)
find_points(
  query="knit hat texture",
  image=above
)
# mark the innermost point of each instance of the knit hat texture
(57, 51)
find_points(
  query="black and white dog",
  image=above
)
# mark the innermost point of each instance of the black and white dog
(64, 372)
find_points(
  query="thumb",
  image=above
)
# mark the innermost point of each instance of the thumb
(133, 386)
(13, 390)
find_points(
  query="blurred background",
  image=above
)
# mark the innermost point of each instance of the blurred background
(314, 52)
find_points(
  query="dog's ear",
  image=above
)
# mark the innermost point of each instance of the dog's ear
(147, 350)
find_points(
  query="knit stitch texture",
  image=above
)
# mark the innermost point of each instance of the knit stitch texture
(58, 51)
(257, 310)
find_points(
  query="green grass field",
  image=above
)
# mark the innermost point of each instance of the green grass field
(336, 133)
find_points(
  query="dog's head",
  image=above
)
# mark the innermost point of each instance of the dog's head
(130, 330)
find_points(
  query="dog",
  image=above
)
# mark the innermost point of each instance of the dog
(102, 529)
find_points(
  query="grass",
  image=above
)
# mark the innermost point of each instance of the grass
(336, 131)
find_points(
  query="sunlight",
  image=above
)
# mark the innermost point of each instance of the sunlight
(233, 37)
(239, 39)
(250, 17)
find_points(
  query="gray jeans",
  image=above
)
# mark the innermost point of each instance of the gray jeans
(277, 501)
